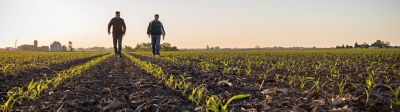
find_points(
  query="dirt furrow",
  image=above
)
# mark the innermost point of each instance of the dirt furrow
(115, 84)
(229, 87)
(24, 77)
(280, 97)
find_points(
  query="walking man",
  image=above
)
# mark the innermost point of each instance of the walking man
(118, 32)
(155, 30)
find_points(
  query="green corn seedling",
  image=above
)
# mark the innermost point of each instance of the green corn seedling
(370, 83)
(291, 79)
(215, 104)
(170, 81)
(248, 70)
(186, 87)
(396, 94)
(341, 86)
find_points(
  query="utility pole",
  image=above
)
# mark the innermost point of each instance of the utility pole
(15, 46)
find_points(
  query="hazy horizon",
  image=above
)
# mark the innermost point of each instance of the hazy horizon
(195, 24)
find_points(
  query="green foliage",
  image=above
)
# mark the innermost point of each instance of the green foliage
(147, 47)
(34, 89)
(248, 70)
(186, 87)
(170, 81)
(304, 80)
(369, 86)
(341, 67)
(215, 104)
(291, 79)
(396, 96)
(341, 86)
(14, 62)
(279, 78)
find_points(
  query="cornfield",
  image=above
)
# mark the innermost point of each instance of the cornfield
(220, 81)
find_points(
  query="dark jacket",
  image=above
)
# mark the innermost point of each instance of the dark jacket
(155, 28)
(119, 26)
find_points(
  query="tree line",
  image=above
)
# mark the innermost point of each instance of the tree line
(147, 47)
(376, 44)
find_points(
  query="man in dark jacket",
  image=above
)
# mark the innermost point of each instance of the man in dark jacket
(155, 30)
(118, 32)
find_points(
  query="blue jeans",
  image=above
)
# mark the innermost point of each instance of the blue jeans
(155, 44)
(117, 42)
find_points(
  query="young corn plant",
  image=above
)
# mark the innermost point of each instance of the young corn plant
(280, 65)
(170, 82)
(200, 95)
(291, 79)
(248, 70)
(279, 79)
(214, 103)
(304, 80)
(31, 90)
(341, 86)
(370, 84)
(14, 96)
(206, 65)
(333, 71)
(239, 70)
(193, 93)
(317, 84)
(226, 66)
(396, 93)
(180, 83)
(197, 94)
(186, 87)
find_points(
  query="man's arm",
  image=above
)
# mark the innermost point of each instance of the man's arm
(163, 31)
(149, 29)
(124, 26)
(109, 25)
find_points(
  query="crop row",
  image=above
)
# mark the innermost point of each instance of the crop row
(195, 93)
(334, 75)
(13, 62)
(34, 89)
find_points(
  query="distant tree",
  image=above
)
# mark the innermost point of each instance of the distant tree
(386, 45)
(143, 47)
(147, 47)
(64, 48)
(257, 47)
(70, 46)
(168, 47)
(380, 44)
(128, 49)
(208, 47)
(364, 45)
(216, 48)
(356, 45)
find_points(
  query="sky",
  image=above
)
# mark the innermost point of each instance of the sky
(197, 23)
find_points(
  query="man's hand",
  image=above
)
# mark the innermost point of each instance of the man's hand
(148, 35)
(163, 36)
(109, 33)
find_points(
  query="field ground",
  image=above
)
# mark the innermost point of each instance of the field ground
(245, 80)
